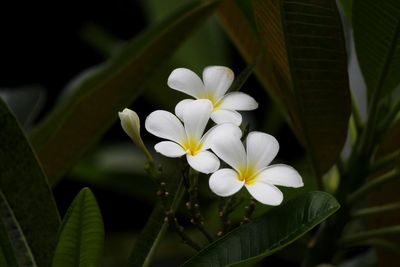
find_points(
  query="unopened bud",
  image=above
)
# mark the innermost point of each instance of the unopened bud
(130, 122)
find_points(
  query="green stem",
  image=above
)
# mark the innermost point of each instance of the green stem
(371, 211)
(147, 153)
(224, 210)
(370, 186)
(194, 206)
(356, 114)
(170, 210)
(385, 162)
(154, 229)
(249, 211)
(390, 119)
(153, 172)
(351, 239)
(377, 242)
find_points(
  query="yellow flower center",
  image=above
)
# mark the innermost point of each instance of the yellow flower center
(192, 146)
(214, 102)
(247, 174)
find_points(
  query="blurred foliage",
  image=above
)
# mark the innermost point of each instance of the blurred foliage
(297, 51)
(111, 86)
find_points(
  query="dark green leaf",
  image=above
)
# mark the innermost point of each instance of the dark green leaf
(247, 42)
(81, 238)
(305, 45)
(91, 103)
(26, 189)
(376, 27)
(12, 240)
(271, 232)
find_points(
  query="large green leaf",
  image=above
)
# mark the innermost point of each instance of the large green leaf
(81, 238)
(91, 103)
(13, 243)
(376, 27)
(305, 47)
(26, 189)
(271, 232)
(231, 16)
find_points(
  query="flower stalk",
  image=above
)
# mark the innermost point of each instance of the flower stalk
(170, 217)
(249, 210)
(370, 186)
(372, 211)
(194, 207)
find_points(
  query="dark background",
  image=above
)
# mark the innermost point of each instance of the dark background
(41, 44)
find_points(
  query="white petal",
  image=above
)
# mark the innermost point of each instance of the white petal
(169, 149)
(205, 162)
(181, 106)
(230, 149)
(220, 129)
(238, 101)
(186, 81)
(280, 174)
(195, 118)
(225, 182)
(217, 80)
(265, 193)
(165, 125)
(261, 149)
(226, 116)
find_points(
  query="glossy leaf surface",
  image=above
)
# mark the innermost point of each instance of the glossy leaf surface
(271, 232)
(305, 46)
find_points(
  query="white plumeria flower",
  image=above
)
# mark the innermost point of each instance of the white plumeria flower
(251, 169)
(188, 138)
(217, 80)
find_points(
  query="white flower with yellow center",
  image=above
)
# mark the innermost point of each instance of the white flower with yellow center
(188, 138)
(216, 82)
(250, 168)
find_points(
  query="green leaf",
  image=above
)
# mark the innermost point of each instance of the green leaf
(376, 26)
(81, 238)
(271, 232)
(12, 239)
(305, 47)
(26, 189)
(234, 13)
(91, 103)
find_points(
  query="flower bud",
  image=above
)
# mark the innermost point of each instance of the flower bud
(130, 122)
